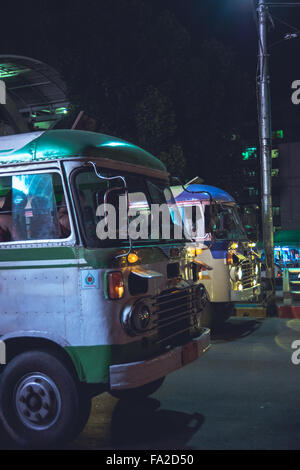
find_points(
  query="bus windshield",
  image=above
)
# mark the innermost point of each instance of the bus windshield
(225, 223)
(104, 205)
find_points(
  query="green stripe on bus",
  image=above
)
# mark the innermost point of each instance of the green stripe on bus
(38, 254)
(91, 362)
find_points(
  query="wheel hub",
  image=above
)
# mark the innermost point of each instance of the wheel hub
(38, 401)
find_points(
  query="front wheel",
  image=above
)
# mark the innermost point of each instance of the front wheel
(214, 314)
(139, 392)
(205, 308)
(222, 311)
(85, 406)
(39, 400)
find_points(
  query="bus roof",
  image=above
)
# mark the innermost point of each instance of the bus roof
(218, 194)
(61, 144)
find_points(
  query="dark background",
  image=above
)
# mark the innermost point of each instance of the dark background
(176, 77)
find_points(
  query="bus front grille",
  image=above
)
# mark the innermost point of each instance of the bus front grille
(175, 315)
(248, 274)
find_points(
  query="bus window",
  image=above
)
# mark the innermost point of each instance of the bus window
(34, 208)
(224, 222)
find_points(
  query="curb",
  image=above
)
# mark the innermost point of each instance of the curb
(248, 310)
(288, 311)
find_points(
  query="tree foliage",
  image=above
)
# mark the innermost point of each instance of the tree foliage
(137, 72)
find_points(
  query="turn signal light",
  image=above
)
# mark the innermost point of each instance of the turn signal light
(229, 258)
(132, 258)
(115, 285)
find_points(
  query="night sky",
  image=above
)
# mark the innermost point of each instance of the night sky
(107, 51)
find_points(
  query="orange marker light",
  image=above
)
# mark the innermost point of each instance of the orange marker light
(229, 258)
(132, 258)
(115, 285)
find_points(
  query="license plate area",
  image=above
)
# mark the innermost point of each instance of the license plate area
(189, 353)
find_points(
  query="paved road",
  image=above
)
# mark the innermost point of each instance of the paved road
(243, 394)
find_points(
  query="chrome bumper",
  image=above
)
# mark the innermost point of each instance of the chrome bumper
(136, 374)
(245, 295)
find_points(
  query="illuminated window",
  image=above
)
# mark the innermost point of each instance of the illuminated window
(252, 191)
(249, 153)
(277, 134)
(11, 70)
(34, 208)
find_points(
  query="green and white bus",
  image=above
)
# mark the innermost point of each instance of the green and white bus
(81, 315)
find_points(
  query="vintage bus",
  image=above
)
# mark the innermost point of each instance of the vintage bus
(81, 314)
(231, 271)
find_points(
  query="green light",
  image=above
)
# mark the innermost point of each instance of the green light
(275, 153)
(10, 70)
(43, 125)
(116, 144)
(61, 111)
(277, 134)
(250, 152)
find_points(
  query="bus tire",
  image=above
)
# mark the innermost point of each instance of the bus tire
(207, 316)
(216, 314)
(39, 400)
(221, 312)
(205, 308)
(138, 393)
(85, 406)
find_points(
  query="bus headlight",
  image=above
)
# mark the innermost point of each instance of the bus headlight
(191, 251)
(141, 318)
(239, 273)
(136, 319)
(234, 246)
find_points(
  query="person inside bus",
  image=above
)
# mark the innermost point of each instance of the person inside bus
(63, 216)
(6, 221)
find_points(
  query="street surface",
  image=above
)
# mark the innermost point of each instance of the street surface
(243, 394)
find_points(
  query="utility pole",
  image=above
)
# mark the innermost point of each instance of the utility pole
(265, 134)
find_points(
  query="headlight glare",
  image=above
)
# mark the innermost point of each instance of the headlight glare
(239, 273)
